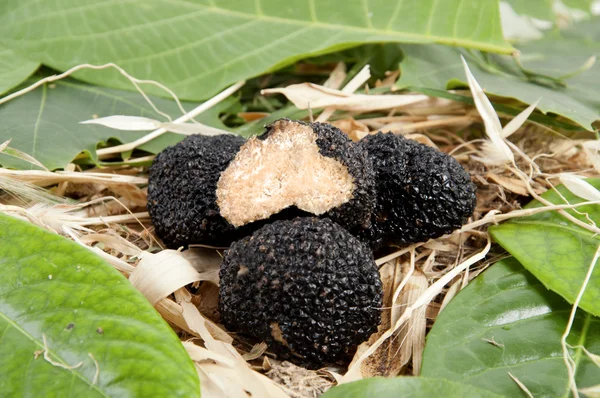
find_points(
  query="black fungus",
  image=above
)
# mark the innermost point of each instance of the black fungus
(422, 193)
(306, 287)
(356, 213)
(181, 191)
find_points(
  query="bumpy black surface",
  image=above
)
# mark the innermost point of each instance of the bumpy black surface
(309, 276)
(182, 191)
(355, 214)
(422, 193)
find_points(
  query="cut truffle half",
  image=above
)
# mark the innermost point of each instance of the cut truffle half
(315, 168)
(422, 193)
(306, 287)
(181, 191)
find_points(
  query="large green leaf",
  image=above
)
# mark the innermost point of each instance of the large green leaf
(541, 9)
(14, 69)
(197, 47)
(45, 122)
(506, 321)
(87, 312)
(556, 251)
(545, 60)
(407, 387)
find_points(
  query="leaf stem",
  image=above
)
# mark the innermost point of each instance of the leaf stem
(563, 341)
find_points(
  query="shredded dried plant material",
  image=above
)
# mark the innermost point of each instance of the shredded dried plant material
(104, 210)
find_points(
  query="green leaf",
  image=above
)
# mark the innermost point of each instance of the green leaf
(545, 61)
(45, 122)
(583, 5)
(541, 9)
(406, 387)
(197, 47)
(555, 250)
(14, 69)
(54, 289)
(506, 321)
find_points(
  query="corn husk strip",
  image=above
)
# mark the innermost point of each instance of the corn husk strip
(432, 291)
(232, 381)
(206, 261)
(119, 264)
(383, 362)
(113, 241)
(412, 337)
(311, 95)
(256, 352)
(47, 178)
(199, 354)
(158, 275)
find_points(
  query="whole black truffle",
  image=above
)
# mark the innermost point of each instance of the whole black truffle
(181, 191)
(306, 286)
(422, 193)
(314, 167)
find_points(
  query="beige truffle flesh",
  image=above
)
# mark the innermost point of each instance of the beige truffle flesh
(294, 164)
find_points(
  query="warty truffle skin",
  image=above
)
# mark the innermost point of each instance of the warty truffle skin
(422, 193)
(354, 214)
(181, 191)
(306, 287)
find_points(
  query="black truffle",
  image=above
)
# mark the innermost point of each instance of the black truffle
(314, 167)
(422, 193)
(181, 191)
(306, 286)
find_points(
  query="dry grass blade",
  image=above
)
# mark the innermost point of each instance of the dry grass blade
(496, 151)
(591, 392)
(187, 116)
(123, 122)
(579, 187)
(311, 95)
(353, 85)
(15, 153)
(521, 385)
(427, 296)
(47, 178)
(518, 120)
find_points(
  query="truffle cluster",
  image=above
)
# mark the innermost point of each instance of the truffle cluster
(306, 285)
